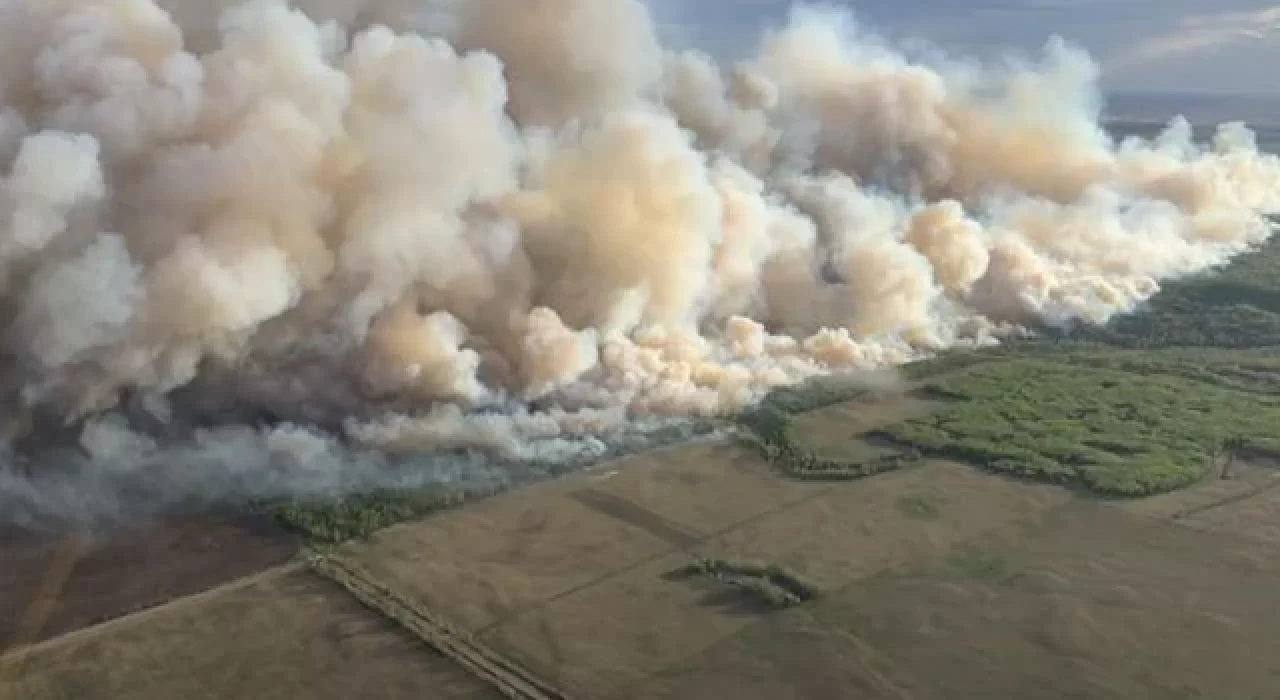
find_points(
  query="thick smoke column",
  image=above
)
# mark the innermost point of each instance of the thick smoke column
(512, 226)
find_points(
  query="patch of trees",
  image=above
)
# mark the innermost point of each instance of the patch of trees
(769, 432)
(771, 585)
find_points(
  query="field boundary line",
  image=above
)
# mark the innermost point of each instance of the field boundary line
(158, 609)
(508, 677)
(1224, 502)
(631, 513)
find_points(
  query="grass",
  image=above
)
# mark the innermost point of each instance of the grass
(917, 507)
(980, 564)
(774, 586)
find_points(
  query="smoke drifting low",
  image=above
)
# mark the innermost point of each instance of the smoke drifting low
(401, 227)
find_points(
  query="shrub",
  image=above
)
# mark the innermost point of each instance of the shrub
(773, 585)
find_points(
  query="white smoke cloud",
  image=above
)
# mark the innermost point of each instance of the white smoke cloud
(441, 225)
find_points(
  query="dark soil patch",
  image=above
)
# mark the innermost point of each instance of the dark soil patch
(51, 584)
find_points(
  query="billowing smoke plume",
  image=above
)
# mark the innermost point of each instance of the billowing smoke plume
(389, 228)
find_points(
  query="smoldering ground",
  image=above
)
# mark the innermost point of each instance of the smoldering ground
(263, 249)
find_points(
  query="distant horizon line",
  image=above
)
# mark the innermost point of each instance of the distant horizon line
(1191, 93)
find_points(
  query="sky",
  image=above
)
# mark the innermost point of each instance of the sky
(1196, 46)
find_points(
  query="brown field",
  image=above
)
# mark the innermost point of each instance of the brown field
(1246, 479)
(1256, 516)
(1089, 602)
(283, 634)
(568, 579)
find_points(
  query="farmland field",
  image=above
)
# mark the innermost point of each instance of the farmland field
(281, 634)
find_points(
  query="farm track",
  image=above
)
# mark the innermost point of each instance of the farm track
(509, 678)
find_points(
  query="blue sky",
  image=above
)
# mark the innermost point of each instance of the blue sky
(1202, 46)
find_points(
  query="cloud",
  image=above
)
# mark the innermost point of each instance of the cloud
(1200, 33)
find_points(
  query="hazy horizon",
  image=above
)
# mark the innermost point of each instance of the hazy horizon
(1202, 109)
(1198, 46)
